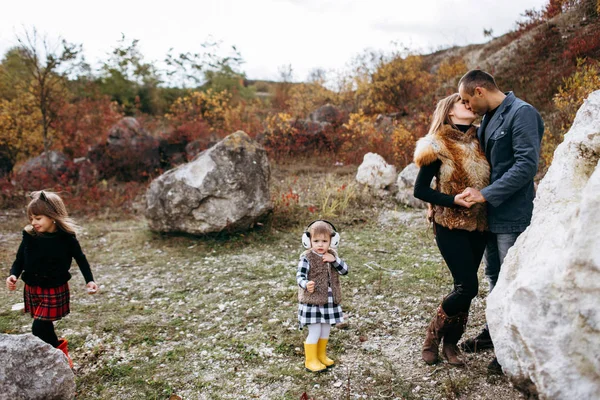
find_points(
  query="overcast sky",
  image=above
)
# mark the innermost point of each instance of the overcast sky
(307, 34)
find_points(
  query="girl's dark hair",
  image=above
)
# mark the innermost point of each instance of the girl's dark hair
(52, 206)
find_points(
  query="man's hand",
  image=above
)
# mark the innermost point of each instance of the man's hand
(11, 282)
(310, 286)
(473, 195)
(328, 257)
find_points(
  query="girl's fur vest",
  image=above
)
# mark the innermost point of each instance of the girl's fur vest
(463, 165)
(324, 275)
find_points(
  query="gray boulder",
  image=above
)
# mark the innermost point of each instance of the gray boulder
(126, 132)
(328, 113)
(57, 163)
(224, 188)
(129, 154)
(406, 186)
(32, 369)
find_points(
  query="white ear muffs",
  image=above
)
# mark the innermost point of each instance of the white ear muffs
(306, 240)
(335, 238)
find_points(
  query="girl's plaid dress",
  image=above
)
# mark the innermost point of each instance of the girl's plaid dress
(329, 313)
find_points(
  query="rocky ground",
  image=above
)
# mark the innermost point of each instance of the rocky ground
(215, 317)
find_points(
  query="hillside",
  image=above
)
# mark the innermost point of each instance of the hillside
(534, 60)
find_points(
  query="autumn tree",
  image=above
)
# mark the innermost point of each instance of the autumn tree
(130, 80)
(14, 76)
(399, 83)
(47, 69)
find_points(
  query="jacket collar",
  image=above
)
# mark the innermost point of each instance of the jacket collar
(497, 119)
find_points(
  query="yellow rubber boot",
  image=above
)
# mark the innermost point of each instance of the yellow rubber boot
(312, 363)
(322, 353)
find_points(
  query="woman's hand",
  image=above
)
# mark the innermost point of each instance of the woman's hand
(92, 287)
(328, 257)
(310, 286)
(459, 199)
(11, 282)
(429, 213)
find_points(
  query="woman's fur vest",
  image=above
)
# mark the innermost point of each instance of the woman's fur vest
(463, 165)
(324, 275)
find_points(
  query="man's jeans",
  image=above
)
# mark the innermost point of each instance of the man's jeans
(495, 250)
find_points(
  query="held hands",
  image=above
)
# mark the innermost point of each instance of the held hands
(310, 286)
(92, 287)
(11, 282)
(469, 197)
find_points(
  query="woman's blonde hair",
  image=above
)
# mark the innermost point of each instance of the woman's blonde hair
(52, 206)
(440, 115)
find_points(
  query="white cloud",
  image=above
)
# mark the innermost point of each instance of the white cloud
(269, 33)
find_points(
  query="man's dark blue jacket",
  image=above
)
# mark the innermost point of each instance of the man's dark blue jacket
(511, 141)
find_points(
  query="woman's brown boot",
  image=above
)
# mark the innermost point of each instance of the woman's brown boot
(433, 337)
(453, 330)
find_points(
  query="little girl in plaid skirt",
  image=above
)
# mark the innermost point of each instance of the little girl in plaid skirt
(43, 261)
(319, 292)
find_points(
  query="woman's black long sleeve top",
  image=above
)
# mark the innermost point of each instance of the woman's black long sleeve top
(423, 190)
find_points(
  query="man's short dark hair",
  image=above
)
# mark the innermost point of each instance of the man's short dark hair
(477, 78)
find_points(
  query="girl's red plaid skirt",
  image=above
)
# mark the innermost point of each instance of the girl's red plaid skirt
(48, 304)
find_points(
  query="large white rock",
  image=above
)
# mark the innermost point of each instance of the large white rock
(375, 172)
(224, 188)
(406, 187)
(32, 369)
(544, 313)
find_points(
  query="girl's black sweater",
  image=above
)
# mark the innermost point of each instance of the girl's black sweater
(45, 260)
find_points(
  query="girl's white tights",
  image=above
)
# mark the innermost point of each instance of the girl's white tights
(316, 332)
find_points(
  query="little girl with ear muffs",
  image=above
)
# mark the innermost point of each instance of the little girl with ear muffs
(319, 292)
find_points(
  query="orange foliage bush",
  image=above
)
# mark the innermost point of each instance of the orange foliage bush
(400, 85)
(575, 90)
(567, 101)
(84, 123)
(206, 106)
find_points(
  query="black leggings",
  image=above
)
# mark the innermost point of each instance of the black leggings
(462, 250)
(45, 331)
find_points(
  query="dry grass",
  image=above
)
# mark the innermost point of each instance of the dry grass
(215, 317)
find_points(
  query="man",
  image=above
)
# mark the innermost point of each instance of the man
(510, 135)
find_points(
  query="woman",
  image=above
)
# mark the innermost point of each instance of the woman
(451, 152)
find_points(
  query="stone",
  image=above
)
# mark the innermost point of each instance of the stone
(375, 172)
(129, 154)
(57, 160)
(126, 131)
(543, 314)
(329, 113)
(87, 172)
(224, 188)
(32, 369)
(406, 186)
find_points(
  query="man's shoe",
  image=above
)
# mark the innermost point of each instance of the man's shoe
(494, 367)
(480, 342)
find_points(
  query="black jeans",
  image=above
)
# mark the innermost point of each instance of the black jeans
(462, 250)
